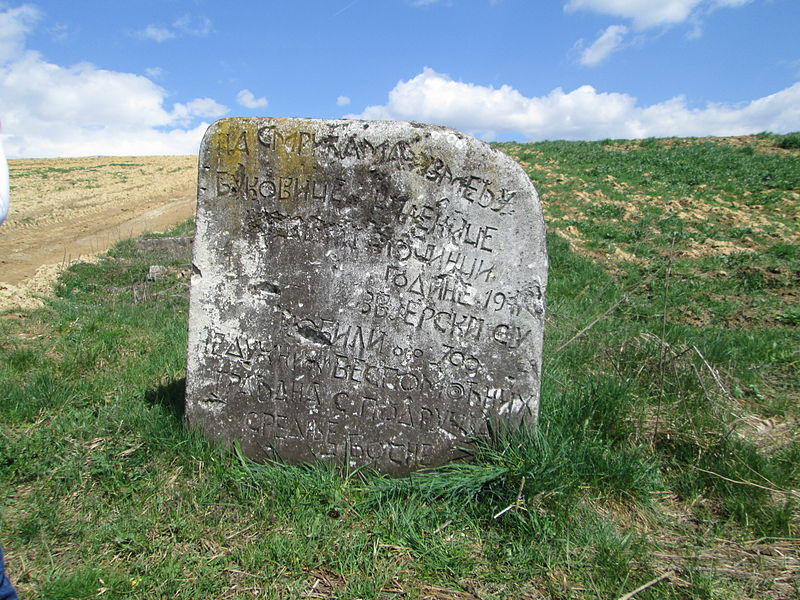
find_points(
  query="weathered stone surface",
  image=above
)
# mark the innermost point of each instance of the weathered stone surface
(370, 292)
(156, 272)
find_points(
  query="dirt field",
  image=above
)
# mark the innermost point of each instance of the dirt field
(65, 210)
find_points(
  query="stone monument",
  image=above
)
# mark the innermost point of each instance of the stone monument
(365, 292)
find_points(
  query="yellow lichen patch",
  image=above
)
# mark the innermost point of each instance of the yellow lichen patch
(288, 147)
(294, 147)
(230, 143)
(253, 159)
(228, 150)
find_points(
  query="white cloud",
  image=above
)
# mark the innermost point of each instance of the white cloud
(59, 32)
(608, 41)
(447, 3)
(154, 72)
(155, 33)
(15, 23)
(193, 25)
(583, 113)
(53, 110)
(643, 13)
(342, 101)
(248, 100)
(188, 24)
(652, 13)
(730, 3)
(199, 107)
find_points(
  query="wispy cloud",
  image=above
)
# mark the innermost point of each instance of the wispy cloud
(15, 24)
(342, 101)
(428, 2)
(188, 24)
(59, 32)
(154, 72)
(607, 42)
(155, 33)
(447, 3)
(344, 8)
(730, 3)
(643, 15)
(197, 25)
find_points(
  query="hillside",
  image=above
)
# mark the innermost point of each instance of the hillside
(667, 456)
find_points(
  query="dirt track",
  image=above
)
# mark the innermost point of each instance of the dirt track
(63, 210)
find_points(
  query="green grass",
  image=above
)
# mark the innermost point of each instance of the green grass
(714, 209)
(789, 141)
(666, 441)
(49, 171)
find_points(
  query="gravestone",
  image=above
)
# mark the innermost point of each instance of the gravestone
(362, 292)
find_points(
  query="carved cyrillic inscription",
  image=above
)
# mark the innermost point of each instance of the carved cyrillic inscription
(370, 292)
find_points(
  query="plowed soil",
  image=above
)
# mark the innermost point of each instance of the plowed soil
(65, 210)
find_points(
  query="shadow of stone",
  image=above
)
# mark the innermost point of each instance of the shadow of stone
(171, 396)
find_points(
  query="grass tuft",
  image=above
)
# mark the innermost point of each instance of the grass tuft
(789, 141)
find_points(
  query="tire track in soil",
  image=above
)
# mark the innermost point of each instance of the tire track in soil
(65, 210)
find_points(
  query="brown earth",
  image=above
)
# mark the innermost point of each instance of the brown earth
(65, 210)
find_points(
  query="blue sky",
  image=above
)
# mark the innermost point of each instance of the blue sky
(89, 77)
